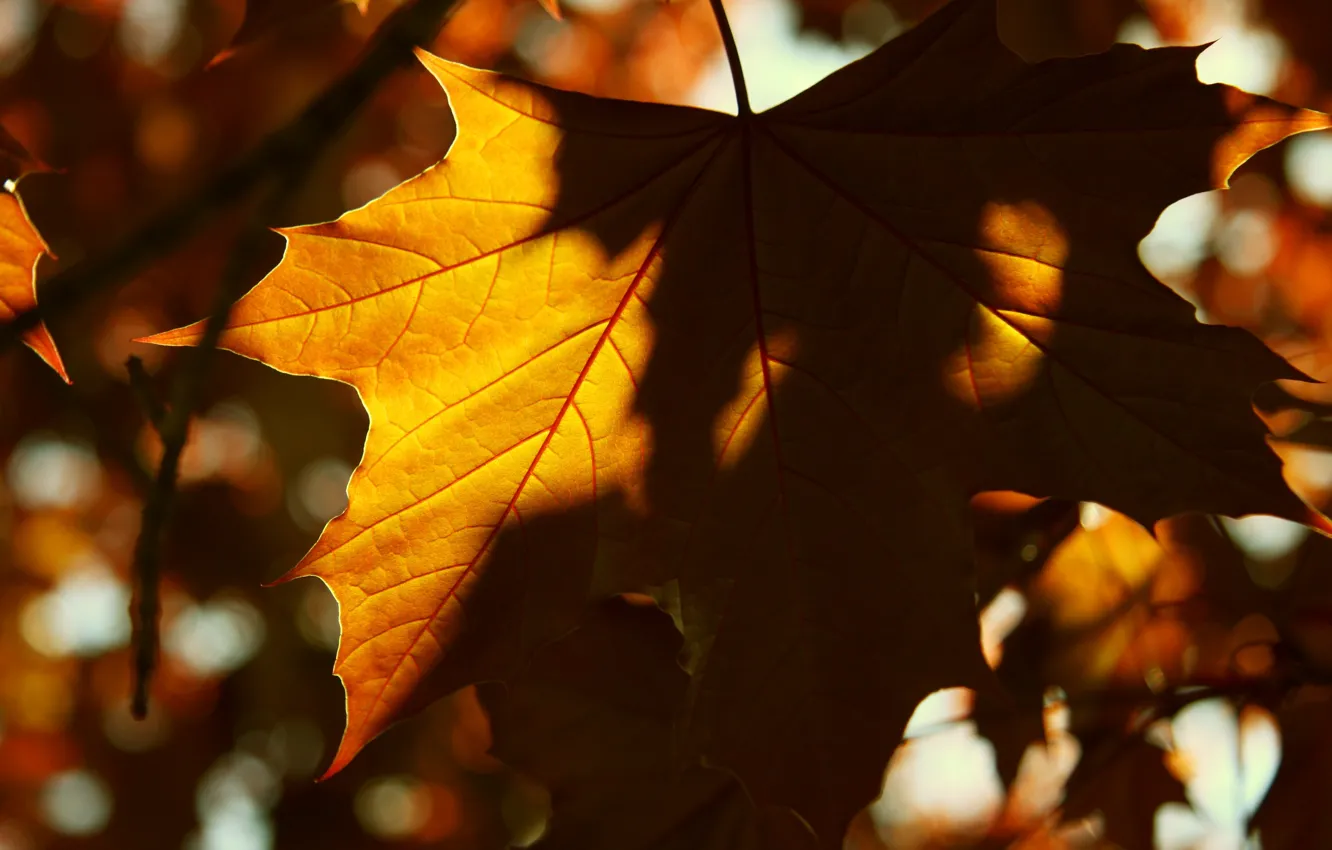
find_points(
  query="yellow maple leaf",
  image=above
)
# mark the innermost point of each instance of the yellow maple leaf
(758, 364)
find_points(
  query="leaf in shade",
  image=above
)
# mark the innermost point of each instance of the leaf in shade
(591, 718)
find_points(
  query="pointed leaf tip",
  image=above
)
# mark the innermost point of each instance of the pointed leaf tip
(187, 335)
(21, 248)
(1319, 522)
(353, 741)
(40, 341)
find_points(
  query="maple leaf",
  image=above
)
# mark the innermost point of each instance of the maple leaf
(590, 717)
(759, 364)
(20, 249)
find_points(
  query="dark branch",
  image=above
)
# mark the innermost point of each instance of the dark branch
(287, 156)
(414, 24)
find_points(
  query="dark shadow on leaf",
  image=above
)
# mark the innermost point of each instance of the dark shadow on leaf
(591, 716)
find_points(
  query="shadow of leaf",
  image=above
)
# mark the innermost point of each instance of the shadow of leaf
(591, 716)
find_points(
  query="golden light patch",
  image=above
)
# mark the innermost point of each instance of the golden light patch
(1028, 227)
(1022, 247)
(739, 423)
(1093, 572)
(995, 364)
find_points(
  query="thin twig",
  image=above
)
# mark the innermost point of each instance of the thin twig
(412, 25)
(733, 58)
(154, 410)
(308, 136)
(173, 428)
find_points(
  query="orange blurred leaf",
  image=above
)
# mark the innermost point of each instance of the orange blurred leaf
(20, 249)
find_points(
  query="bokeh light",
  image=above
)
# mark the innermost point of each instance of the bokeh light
(216, 637)
(998, 620)
(18, 23)
(1247, 58)
(939, 786)
(167, 135)
(86, 613)
(1181, 238)
(1226, 764)
(292, 748)
(1247, 241)
(367, 180)
(393, 807)
(76, 802)
(233, 802)
(1092, 516)
(780, 61)
(1265, 538)
(1309, 168)
(317, 615)
(150, 28)
(320, 492)
(1139, 30)
(45, 471)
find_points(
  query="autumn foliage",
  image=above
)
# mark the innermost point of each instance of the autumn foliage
(730, 479)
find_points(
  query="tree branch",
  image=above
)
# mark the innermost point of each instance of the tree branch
(412, 25)
(287, 156)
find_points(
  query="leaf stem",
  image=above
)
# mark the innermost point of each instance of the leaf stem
(154, 410)
(733, 58)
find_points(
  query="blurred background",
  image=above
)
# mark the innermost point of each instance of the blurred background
(1167, 690)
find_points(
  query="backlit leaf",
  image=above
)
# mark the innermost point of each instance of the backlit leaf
(20, 249)
(758, 365)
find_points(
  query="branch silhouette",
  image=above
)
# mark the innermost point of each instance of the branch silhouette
(411, 26)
